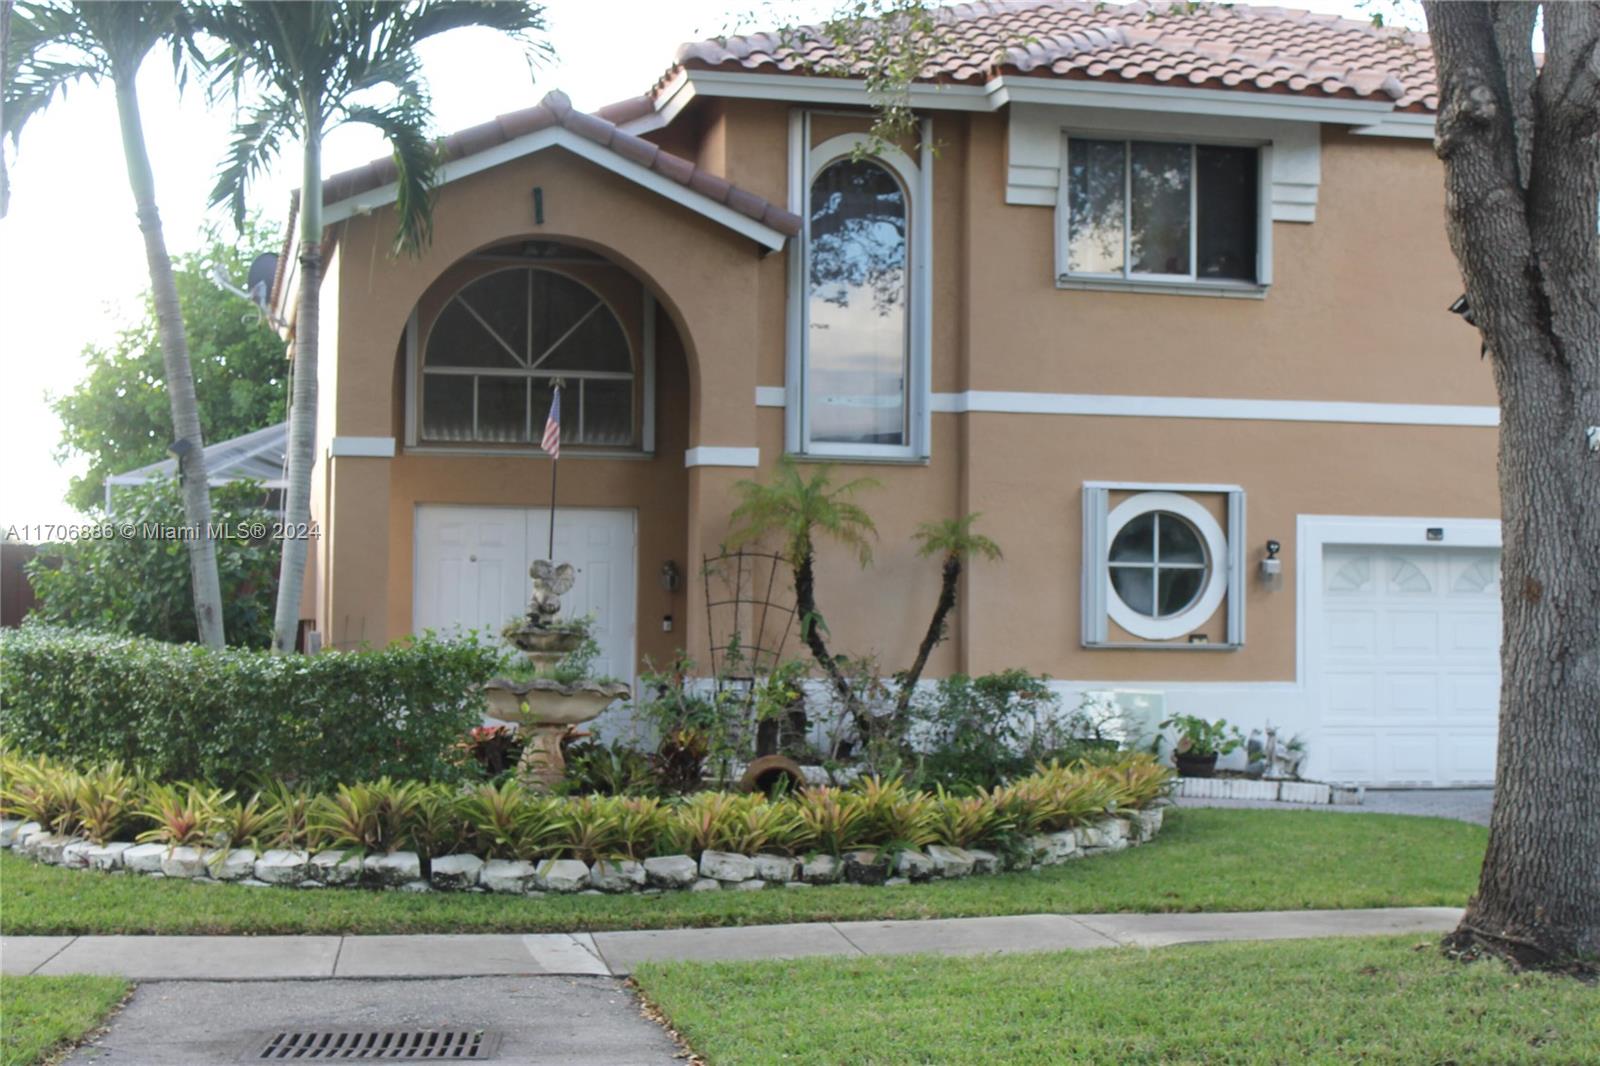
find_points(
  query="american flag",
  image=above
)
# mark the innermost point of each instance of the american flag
(552, 427)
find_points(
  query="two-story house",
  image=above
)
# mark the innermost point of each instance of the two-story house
(1163, 295)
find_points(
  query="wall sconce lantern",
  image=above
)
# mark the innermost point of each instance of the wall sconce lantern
(670, 577)
(1272, 566)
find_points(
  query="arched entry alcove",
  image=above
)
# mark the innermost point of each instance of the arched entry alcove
(470, 484)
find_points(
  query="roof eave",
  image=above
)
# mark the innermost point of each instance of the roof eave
(1004, 89)
(560, 137)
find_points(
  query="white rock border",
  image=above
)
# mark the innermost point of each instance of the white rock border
(715, 870)
(1242, 788)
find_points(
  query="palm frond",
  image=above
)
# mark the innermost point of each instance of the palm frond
(416, 158)
(256, 143)
(797, 507)
(954, 537)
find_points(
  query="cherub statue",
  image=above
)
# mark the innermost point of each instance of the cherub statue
(550, 583)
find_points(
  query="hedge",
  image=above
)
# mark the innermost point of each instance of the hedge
(185, 712)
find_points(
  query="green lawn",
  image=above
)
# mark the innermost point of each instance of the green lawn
(1377, 1000)
(1204, 860)
(41, 1015)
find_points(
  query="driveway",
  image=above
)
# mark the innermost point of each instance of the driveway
(1462, 804)
(539, 1021)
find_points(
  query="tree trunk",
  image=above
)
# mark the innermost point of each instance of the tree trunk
(303, 397)
(192, 471)
(935, 633)
(1522, 180)
(805, 602)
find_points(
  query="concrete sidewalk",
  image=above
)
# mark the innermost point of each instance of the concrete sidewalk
(252, 958)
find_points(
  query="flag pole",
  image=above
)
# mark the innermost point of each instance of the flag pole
(555, 461)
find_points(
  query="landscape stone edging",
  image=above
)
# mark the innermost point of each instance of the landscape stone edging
(715, 870)
(1264, 790)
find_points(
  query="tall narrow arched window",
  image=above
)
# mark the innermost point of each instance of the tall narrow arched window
(859, 371)
(498, 345)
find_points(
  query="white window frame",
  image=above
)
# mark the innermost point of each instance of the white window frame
(1225, 547)
(806, 161)
(1185, 284)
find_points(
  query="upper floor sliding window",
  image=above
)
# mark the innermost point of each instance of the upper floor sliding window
(499, 344)
(1161, 212)
(860, 371)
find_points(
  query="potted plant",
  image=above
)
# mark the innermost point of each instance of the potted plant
(1200, 742)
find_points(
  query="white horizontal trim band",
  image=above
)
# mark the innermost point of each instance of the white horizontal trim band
(705, 455)
(1047, 403)
(362, 447)
(770, 396)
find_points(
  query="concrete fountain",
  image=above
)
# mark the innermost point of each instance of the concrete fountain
(546, 706)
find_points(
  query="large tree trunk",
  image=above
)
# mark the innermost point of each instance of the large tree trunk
(303, 397)
(180, 380)
(1521, 149)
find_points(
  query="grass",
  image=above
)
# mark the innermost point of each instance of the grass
(1204, 860)
(1377, 1000)
(42, 1016)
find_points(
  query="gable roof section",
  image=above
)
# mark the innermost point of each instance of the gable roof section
(596, 137)
(1234, 47)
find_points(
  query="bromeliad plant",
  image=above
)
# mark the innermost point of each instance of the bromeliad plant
(186, 815)
(504, 821)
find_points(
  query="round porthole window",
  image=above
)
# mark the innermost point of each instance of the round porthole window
(1162, 565)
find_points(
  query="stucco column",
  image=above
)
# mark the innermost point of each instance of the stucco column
(357, 550)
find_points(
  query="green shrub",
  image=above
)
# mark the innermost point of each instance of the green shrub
(140, 585)
(233, 717)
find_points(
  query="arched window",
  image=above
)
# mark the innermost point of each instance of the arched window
(857, 307)
(857, 372)
(496, 348)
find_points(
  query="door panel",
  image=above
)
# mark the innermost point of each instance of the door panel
(471, 571)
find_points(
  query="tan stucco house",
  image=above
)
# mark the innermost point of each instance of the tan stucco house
(1150, 292)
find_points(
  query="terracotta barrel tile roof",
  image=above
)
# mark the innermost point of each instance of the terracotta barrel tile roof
(1265, 49)
(601, 128)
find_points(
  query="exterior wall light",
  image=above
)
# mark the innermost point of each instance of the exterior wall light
(670, 577)
(1272, 566)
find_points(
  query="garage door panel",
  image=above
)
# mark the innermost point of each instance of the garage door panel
(1351, 758)
(1350, 697)
(1409, 695)
(1411, 633)
(1473, 633)
(1352, 632)
(1469, 757)
(1405, 662)
(1409, 758)
(1473, 698)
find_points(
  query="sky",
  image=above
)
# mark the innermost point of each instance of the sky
(72, 266)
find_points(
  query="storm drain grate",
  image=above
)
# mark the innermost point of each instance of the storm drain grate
(392, 1044)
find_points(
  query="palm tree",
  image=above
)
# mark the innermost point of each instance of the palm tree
(799, 510)
(314, 66)
(48, 48)
(953, 540)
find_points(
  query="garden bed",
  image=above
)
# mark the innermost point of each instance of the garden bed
(466, 872)
(503, 838)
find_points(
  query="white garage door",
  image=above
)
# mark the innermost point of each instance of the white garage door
(1407, 664)
(472, 571)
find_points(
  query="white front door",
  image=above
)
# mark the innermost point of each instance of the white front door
(1406, 664)
(471, 571)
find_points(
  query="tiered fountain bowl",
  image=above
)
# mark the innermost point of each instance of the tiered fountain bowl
(544, 709)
